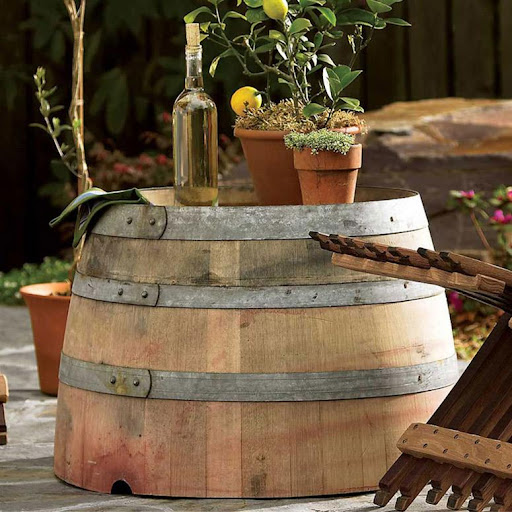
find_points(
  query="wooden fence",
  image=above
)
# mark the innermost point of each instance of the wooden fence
(455, 48)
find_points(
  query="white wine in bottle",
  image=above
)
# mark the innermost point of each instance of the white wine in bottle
(195, 134)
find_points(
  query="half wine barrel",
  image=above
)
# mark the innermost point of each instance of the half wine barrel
(217, 352)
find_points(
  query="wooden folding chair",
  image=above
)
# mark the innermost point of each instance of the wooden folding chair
(467, 444)
(4, 396)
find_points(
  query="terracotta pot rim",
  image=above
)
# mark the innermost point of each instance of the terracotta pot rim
(42, 290)
(260, 134)
(350, 130)
(352, 147)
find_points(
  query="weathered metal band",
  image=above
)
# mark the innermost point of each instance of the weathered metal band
(265, 297)
(257, 387)
(369, 218)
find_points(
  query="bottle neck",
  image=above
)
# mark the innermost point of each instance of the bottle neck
(194, 58)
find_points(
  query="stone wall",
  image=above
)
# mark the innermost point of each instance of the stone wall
(434, 146)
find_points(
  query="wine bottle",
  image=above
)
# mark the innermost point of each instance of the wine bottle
(195, 134)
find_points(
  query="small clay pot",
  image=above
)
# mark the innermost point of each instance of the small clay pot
(328, 177)
(271, 166)
(48, 314)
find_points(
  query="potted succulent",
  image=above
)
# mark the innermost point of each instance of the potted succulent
(327, 162)
(287, 43)
(48, 303)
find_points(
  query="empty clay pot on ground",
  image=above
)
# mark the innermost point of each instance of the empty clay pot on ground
(48, 314)
(328, 177)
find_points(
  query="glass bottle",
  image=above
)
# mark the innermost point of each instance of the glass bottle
(195, 131)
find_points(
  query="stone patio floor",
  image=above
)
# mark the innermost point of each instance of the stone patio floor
(27, 482)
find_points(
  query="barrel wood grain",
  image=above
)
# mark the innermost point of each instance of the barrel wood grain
(226, 263)
(351, 441)
(271, 341)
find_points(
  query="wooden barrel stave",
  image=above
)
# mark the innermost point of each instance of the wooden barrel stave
(220, 449)
(258, 341)
(227, 263)
(247, 449)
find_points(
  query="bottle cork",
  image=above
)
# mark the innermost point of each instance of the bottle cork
(193, 34)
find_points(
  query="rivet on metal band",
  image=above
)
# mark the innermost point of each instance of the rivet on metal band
(257, 387)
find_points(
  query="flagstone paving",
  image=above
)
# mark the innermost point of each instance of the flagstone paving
(27, 482)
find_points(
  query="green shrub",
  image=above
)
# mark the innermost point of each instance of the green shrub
(49, 271)
(320, 140)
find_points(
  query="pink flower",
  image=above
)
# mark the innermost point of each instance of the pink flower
(161, 160)
(145, 159)
(456, 302)
(509, 194)
(500, 218)
(468, 194)
(166, 117)
(121, 168)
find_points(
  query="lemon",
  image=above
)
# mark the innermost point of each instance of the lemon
(245, 97)
(275, 9)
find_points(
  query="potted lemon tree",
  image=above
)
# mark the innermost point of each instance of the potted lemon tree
(288, 44)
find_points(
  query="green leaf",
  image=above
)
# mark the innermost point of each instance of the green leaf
(300, 25)
(349, 78)
(378, 7)
(253, 4)
(191, 16)
(341, 71)
(327, 83)
(284, 82)
(313, 109)
(359, 17)
(40, 126)
(309, 3)
(318, 40)
(280, 49)
(390, 2)
(256, 15)
(215, 62)
(352, 101)
(334, 83)
(328, 14)
(275, 34)
(397, 21)
(352, 104)
(326, 59)
(234, 14)
(267, 47)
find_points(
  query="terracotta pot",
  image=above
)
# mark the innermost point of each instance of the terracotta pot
(48, 314)
(271, 166)
(328, 177)
(351, 130)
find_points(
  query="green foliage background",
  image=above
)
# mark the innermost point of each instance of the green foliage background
(50, 270)
(134, 61)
